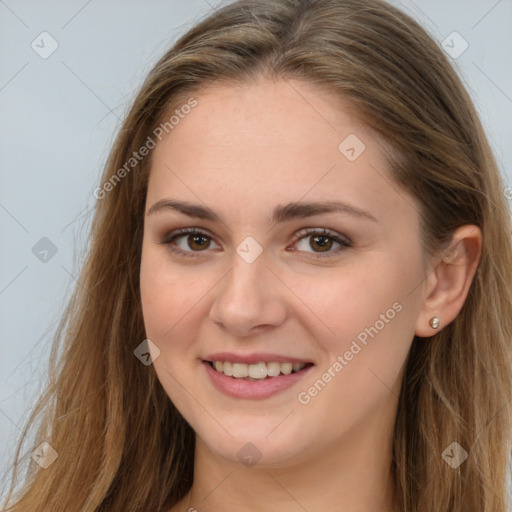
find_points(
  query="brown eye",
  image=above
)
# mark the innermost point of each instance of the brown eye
(187, 241)
(321, 242)
(197, 242)
(324, 243)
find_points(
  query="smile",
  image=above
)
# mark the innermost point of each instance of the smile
(256, 371)
(254, 380)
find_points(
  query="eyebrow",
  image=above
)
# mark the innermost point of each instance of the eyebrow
(281, 213)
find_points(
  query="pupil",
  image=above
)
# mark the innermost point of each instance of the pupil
(195, 239)
(323, 244)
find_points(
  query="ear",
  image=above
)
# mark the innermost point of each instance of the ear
(447, 285)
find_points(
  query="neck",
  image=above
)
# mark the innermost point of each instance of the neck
(352, 475)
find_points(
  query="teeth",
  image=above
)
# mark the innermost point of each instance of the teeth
(228, 368)
(286, 368)
(273, 369)
(257, 371)
(240, 370)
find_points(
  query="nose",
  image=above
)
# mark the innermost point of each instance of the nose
(250, 298)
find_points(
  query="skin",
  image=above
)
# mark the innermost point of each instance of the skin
(242, 151)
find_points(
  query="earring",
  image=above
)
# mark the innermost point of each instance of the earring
(434, 322)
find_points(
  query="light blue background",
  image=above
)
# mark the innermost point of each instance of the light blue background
(59, 116)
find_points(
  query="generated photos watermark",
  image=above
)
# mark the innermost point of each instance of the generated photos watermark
(305, 397)
(149, 144)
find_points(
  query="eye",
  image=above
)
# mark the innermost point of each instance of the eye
(321, 241)
(190, 241)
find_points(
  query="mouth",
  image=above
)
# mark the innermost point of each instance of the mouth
(256, 375)
(259, 371)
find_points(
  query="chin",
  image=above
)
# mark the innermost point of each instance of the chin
(262, 444)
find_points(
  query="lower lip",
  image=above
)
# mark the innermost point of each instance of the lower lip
(252, 389)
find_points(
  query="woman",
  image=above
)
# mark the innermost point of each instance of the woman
(297, 295)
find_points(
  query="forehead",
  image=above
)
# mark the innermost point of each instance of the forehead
(285, 118)
(267, 142)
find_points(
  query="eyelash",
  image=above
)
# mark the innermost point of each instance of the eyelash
(344, 242)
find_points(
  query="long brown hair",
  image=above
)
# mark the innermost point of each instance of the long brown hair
(121, 444)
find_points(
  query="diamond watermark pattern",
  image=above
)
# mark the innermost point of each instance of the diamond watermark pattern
(44, 250)
(249, 455)
(455, 45)
(44, 455)
(455, 455)
(44, 45)
(249, 249)
(147, 352)
(351, 147)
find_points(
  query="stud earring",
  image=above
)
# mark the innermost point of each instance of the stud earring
(434, 322)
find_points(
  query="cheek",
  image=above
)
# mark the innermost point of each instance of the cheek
(174, 301)
(371, 311)
(342, 302)
(166, 296)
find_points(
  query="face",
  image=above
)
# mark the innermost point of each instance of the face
(260, 284)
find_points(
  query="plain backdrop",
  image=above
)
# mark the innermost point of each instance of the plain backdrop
(58, 115)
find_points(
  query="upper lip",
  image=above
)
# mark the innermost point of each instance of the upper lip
(254, 357)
